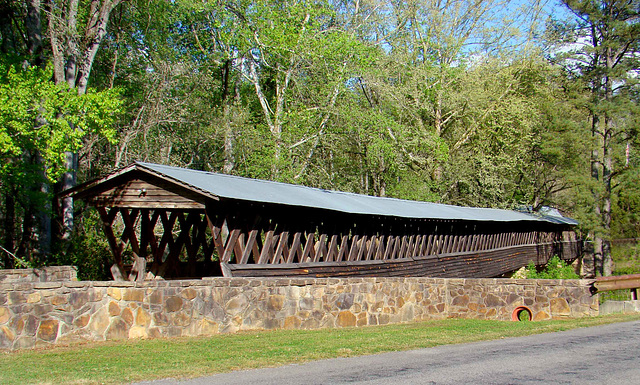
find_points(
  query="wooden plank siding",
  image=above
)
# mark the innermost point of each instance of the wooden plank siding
(149, 193)
(488, 263)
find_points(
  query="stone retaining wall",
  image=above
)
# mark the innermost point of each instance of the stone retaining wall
(49, 313)
(44, 274)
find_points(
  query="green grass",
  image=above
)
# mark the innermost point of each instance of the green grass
(191, 357)
(615, 295)
(626, 258)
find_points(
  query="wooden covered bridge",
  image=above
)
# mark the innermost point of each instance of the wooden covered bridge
(173, 222)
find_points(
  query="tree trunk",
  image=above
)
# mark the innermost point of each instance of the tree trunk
(38, 226)
(33, 28)
(72, 64)
(607, 168)
(68, 181)
(229, 137)
(597, 255)
(44, 213)
(8, 228)
(24, 248)
(229, 140)
(9, 36)
(607, 175)
(272, 118)
(595, 174)
(323, 125)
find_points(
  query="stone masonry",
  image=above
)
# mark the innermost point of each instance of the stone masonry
(41, 314)
(44, 274)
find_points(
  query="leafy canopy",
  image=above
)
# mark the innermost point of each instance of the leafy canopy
(40, 117)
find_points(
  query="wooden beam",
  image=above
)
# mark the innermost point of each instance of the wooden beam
(362, 246)
(414, 245)
(320, 248)
(117, 270)
(404, 240)
(107, 223)
(251, 245)
(417, 245)
(215, 223)
(230, 245)
(309, 251)
(396, 247)
(380, 247)
(238, 247)
(144, 232)
(332, 252)
(267, 248)
(207, 248)
(372, 245)
(296, 248)
(457, 243)
(388, 251)
(167, 235)
(344, 248)
(354, 251)
(429, 245)
(282, 248)
(172, 263)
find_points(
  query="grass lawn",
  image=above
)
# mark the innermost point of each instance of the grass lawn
(124, 362)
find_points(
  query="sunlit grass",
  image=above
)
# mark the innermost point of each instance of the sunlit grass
(191, 357)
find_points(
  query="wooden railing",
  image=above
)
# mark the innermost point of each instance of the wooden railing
(160, 240)
(620, 282)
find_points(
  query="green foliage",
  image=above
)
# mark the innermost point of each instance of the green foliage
(418, 101)
(38, 116)
(598, 49)
(626, 203)
(626, 258)
(40, 123)
(524, 315)
(554, 269)
(89, 250)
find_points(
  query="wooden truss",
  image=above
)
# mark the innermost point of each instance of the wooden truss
(178, 242)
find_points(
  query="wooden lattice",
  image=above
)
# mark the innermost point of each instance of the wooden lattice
(172, 242)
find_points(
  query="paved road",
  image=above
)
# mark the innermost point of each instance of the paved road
(598, 355)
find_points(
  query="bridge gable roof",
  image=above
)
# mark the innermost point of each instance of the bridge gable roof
(198, 186)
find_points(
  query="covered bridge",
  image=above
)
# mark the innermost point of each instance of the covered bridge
(174, 222)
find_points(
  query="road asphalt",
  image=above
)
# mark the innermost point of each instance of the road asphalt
(596, 355)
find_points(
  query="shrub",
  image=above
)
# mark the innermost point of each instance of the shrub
(556, 268)
(88, 250)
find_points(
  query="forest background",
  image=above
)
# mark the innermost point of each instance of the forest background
(490, 103)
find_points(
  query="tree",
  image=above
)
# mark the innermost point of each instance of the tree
(417, 99)
(75, 31)
(436, 51)
(599, 47)
(44, 36)
(522, 144)
(39, 122)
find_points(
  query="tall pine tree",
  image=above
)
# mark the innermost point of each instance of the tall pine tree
(600, 47)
